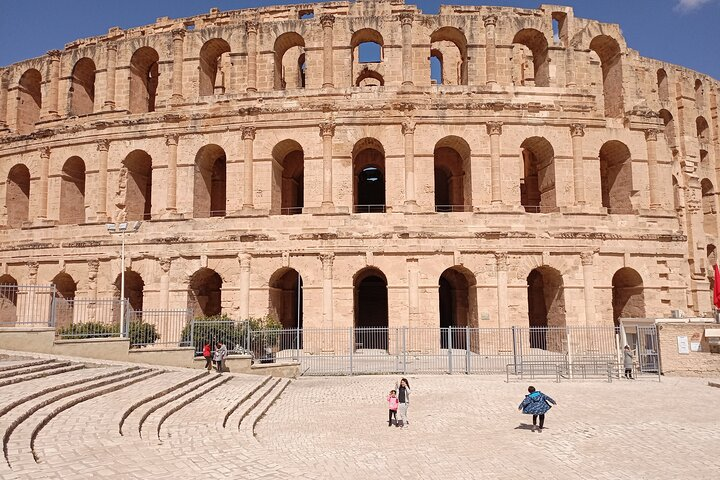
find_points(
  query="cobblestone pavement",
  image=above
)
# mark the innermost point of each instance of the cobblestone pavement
(184, 424)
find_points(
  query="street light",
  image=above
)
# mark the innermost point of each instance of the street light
(121, 229)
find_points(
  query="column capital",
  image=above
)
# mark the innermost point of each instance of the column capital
(103, 145)
(165, 264)
(44, 152)
(54, 55)
(251, 26)
(327, 20)
(327, 129)
(248, 132)
(111, 46)
(327, 260)
(171, 139)
(586, 258)
(494, 128)
(244, 260)
(408, 127)
(490, 20)
(93, 267)
(406, 18)
(33, 267)
(651, 134)
(501, 261)
(577, 129)
(178, 33)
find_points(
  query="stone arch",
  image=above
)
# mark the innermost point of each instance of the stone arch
(65, 288)
(538, 192)
(370, 309)
(546, 308)
(709, 208)
(288, 178)
(134, 289)
(608, 49)
(214, 65)
(72, 192)
(452, 170)
(8, 300)
(702, 129)
(537, 44)
(457, 303)
(699, 94)
(368, 156)
(205, 293)
(82, 87)
(662, 85)
(289, 48)
(17, 196)
(285, 297)
(628, 297)
(369, 78)
(29, 101)
(143, 80)
(616, 177)
(449, 46)
(138, 185)
(362, 68)
(210, 192)
(669, 130)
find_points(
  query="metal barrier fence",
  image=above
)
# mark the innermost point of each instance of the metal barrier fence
(27, 305)
(160, 328)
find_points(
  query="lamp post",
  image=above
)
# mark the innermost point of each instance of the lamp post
(121, 229)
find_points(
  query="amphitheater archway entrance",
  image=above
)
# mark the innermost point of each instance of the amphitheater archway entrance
(17, 196)
(369, 176)
(138, 190)
(289, 61)
(288, 178)
(82, 88)
(628, 296)
(29, 101)
(134, 289)
(616, 177)
(205, 293)
(65, 288)
(143, 80)
(457, 304)
(210, 182)
(72, 192)
(535, 48)
(214, 67)
(452, 175)
(8, 300)
(371, 309)
(608, 50)
(449, 46)
(537, 187)
(546, 309)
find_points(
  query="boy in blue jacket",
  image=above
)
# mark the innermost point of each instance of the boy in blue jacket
(536, 404)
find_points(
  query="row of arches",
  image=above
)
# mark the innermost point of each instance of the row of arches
(452, 173)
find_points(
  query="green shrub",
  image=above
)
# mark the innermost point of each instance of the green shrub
(142, 333)
(233, 333)
(89, 330)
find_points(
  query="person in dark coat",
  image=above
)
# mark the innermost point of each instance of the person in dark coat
(536, 404)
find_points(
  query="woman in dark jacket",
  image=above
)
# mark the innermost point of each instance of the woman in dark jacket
(536, 404)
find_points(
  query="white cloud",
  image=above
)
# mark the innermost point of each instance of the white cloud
(689, 5)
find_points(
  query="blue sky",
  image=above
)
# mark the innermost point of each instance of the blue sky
(685, 32)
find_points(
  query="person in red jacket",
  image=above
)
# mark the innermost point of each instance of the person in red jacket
(393, 403)
(207, 353)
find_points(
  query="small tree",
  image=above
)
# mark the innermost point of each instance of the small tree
(142, 333)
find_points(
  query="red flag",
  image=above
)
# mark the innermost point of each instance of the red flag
(716, 287)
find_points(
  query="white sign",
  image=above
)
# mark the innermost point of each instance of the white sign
(695, 346)
(683, 345)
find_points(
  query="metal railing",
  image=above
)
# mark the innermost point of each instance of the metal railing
(27, 305)
(369, 208)
(87, 318)
(291, 210)
(160, 328)
(453, 208)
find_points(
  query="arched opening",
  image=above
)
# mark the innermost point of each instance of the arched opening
(669, 130)
(8, 300)
(628, 298)
(214, 67)
(535, 52)
(662, 85)
(205, 293)
(29, 101)
(608, 50)
(371, 309)
(709, 208)
(286, 297)
(703, 130)
(72, 192)
(616, 177)
(452, 175)
(143, 80)
(677, 195)
(369, 78)
(289, 61)
(537, 187)
(369, 176)
(288, 178)
(367, 53)
(699, 94)
(82, 87)
(448, 46)
(711, 254)
(210, 182)
(65, 288)
(436, 67)
(546, 309)
(17, 196)
(560, 28)
(457, 305)
(138, 188)
(134, 289)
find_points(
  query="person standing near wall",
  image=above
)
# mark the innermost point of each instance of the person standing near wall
(207, 354)
(220, 354)
(403, 394)
(628, 358)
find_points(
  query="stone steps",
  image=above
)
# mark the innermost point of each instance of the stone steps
(33, 369)
(43, 374)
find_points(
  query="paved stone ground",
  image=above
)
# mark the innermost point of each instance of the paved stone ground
(336, 427)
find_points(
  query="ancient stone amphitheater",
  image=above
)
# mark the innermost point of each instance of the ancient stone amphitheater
(542, 173)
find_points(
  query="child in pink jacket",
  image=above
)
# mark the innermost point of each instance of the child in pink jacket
(393, 403)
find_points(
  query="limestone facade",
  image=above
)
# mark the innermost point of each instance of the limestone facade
(549, 175)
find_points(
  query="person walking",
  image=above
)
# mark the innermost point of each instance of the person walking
(207, 354)
(403, 395)
(628, 359)
(536, 404)
(220, 354)
(393, 405)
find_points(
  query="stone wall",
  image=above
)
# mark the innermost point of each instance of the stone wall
(700, 363)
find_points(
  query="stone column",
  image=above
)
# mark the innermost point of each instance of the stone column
(171, 141)
(43, 185)
(406, 21)
(53, 84)
(103, 147)
(408, 130)
(327, 20)
(588, 287)
(248, 136)
(413, 285)
(653, 184)
(110, 77)
(251, 27)
(327, 267)
(3, 99)
(494, 129)
(244, 259)
(577, 131)
(93, 267)
(570, 80)
(165, 264)
(501, 274)
(490, 60)
(178, 36)
(327, 132)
